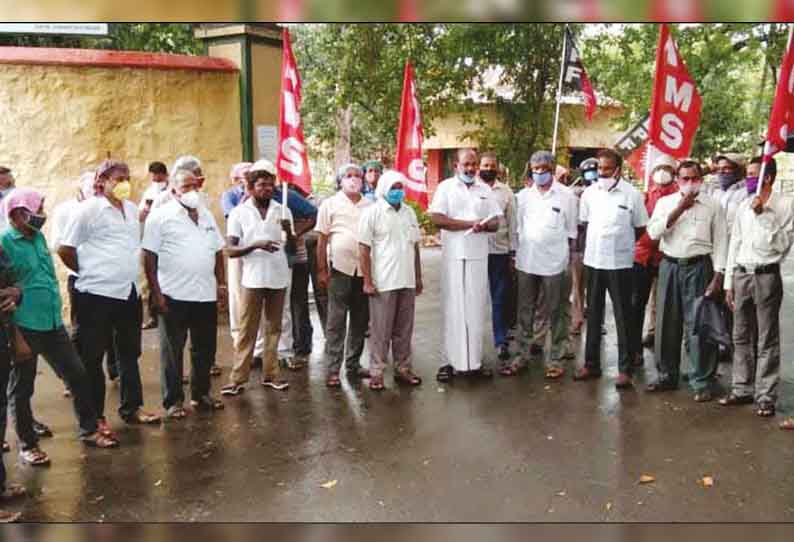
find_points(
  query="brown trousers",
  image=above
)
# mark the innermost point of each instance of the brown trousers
(251, 301)
(391, 323)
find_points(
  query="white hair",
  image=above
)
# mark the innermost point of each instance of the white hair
(186, 162)
(179, 176)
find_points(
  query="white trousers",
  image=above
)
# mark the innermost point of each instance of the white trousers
(464, 298)
(234, 278)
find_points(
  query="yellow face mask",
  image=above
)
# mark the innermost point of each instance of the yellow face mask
(122, 190)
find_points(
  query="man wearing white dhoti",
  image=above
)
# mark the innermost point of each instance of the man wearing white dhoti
(464, 208)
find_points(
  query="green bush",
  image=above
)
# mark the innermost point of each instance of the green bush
(424, 219)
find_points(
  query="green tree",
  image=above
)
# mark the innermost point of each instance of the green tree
(734, 67)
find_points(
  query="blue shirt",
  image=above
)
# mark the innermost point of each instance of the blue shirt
(231, 199)
(300, 207)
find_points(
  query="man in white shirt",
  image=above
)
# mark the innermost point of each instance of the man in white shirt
(338, 270)
(159, 177)
(388, 237)
(690, 227)
(500, 250)
(101, 244)
(763, 231)
(730, 188)
(182, 249)
(465, 210)
(256, 232)
(546, 226)
(615, 214)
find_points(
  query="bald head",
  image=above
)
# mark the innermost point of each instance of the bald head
(467, 163)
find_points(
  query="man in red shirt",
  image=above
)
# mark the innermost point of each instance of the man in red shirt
(647, 255)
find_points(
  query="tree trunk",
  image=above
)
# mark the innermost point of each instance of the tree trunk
(344, 121)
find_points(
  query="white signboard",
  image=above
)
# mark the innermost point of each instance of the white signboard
(267, 141)
(91, 29)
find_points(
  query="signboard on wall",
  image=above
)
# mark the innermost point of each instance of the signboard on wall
(82, 29)
(267, 141)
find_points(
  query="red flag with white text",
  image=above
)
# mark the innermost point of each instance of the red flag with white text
(676, 103)
(781, 120)
(292, 161)
(575, 76)
(410, 136)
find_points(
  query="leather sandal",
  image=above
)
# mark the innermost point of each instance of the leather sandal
(406, 377)
(98, 440)
(376, 383)
(35, 457)
(553, 373)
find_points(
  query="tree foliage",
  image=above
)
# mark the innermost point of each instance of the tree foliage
(733, 65)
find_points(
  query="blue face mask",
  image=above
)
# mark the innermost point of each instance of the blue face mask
(468, 179)
(590, 176)
(541, 179)
(726, 180)
(395, 196)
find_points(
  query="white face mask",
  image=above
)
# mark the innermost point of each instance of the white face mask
(662, 177)
(606, 182)
(689, 188)
(191, 199)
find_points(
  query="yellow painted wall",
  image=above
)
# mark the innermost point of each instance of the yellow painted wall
(266, 83)
(57, 121)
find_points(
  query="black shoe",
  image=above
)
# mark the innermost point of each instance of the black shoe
(256, 363)
(660, 385)
(445, 373)
(504, 353)
(482, 372)
(41, 430)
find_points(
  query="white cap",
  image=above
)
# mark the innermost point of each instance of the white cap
(264, 165)
(665, 160)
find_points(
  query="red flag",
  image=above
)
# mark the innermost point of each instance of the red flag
(575, 76)
(781, 120)
(410, 136)
(675, 105)
(292, 162)
(637, 159)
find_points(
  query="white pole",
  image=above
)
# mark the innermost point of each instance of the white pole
(283, 200)
(648, 162)
(763, 150)
(559, 90)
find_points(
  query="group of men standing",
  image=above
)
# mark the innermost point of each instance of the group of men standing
(679, 239)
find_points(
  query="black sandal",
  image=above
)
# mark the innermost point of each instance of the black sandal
(445, 373)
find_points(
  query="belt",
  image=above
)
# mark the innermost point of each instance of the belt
(687, 261)
(760, 269)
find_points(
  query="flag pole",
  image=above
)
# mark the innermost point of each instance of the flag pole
(647, 175)
(559, 89)
(764, 150)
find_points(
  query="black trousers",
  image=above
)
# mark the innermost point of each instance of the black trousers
(618, 282)
(643, 276)
(201, 321)
(74, 331)
(302, 330)
(99, 319)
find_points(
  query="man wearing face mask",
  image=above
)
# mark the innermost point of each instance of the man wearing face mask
(388, 237)
(466, 211)
(372, 172)
(646, 253)
(338, 270)
(693, 239)
(259, 232)
(500, 251)
(730, 188)
(38, 317)
(192, 165)
(159, 183)
(615, 214)
(101, 244)
(763, 233)
(545, 229)
(185, 291)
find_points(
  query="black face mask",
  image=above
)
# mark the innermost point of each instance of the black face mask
(488, 176)
(36, 221)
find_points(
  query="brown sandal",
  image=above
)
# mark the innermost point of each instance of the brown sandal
(553, 373)
(13, 491)
(98, 440)
(333, 381)
(406, 377)
(35, 457)
(376, 383)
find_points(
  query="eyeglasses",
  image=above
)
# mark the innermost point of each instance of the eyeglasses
(687, 179)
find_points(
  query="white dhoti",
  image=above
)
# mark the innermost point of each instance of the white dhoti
(234, 277)
(464, 298)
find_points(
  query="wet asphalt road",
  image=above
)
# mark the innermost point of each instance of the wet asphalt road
(502, 450)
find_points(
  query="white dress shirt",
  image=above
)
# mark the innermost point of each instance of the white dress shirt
(108, 244)
(60, 218)
(261, 269)
(338, 218)
(611, 216)
(152, 192)
(185, 251)
(545, 223)
(729, 199)
(699, 231)
(454, 199)
(760, 239)
(392, 236)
